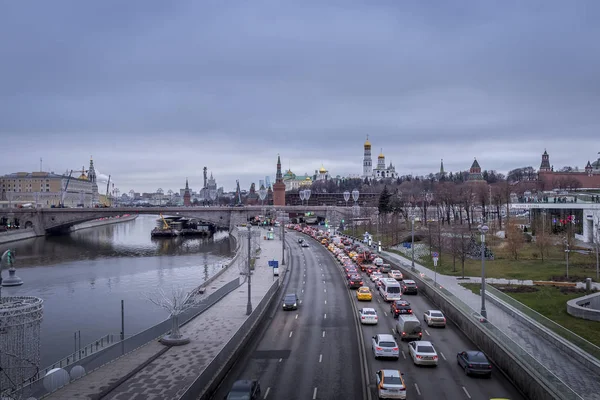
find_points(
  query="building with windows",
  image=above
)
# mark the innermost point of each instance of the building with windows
(47, 189)
(550, 179)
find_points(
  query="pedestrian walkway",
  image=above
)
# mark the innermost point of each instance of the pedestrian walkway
(575, 375)
(504, 281)
(172, 372)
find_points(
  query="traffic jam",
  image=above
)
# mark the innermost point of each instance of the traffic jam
(377, 285)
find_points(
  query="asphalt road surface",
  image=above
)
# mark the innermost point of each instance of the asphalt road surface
(311, 353)
(315, 352)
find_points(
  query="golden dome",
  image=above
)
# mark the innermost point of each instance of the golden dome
(83, 176)
(381, 155)
(307, 178)
(322, 170)
(367, 144)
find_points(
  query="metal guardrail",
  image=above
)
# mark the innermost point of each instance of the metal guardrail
(560, 389)
(548, 323)
(98, 359)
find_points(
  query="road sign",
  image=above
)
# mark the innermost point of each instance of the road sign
(274, 264)
(435, 254)
(435, 260)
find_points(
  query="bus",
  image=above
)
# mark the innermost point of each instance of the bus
(389, 289)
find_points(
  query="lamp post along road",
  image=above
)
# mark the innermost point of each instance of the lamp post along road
(483, 229)
(412, 246)
(249, 306)
(355, 196)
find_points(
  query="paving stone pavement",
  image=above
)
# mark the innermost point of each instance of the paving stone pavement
(169, 375)
(580, 379)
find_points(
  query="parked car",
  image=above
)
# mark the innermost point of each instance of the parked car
(474, 362)
(434, 318)
(244, 389)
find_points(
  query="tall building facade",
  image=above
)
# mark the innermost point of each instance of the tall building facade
(279, 186)
(187, 196)
(367, 162)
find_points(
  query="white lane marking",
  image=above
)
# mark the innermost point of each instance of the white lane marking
(418, 391)
(304, 282)
(300, 302)
(323, 333)
(291, 333)
(393, 331)
(315, 394)
(302, 290)
(267, 392)
(427, 332)
(467, 393)
(323, 281)
(384, 313)
(403, 355)
(325, 290)
(325, 301)
(379, 301)
(443, 356)
(325, 316)
(322, 274)
(296, 316)
(320, 357)
(281, 359)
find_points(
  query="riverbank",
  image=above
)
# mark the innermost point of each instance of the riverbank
(28, 233)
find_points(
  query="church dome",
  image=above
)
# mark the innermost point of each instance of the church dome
(322, 170)
(307, 178)
(381, 155)
(83, 176)
(367, 144)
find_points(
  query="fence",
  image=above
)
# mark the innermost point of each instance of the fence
(555, 386)
(201, 386)
(98, 359)
(577, 340)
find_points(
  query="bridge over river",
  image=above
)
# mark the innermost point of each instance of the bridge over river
(47, 220)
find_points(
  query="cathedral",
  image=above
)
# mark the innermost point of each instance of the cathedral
(380, 171)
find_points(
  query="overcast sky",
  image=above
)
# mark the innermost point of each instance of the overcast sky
(156, 90)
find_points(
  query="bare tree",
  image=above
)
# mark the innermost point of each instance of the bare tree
(176, 302)
(514, 239)
(542, 236)
(459, 247)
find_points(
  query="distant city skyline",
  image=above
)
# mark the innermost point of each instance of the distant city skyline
(155, 91)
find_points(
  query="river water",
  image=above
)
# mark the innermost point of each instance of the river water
(83, 276)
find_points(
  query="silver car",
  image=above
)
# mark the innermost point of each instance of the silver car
(384, 345)
(434, 318)
(423, 353)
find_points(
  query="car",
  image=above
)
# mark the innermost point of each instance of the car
(375, 276)
(390, 384)
(304, 244)
(409, 287)
(300, 240)
(400, 307)
(384, 345)
(474, 362)
(355, 281)
(290, 301)
(423, 353)
(244, 389)
(364, 294)
(368, 316)
(434, 318)
(397, 275)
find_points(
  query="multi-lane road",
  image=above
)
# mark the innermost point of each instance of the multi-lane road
(321, 351)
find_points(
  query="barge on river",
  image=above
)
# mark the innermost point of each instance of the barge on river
(181, 226)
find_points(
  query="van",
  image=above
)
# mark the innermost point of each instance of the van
(408, 327)
(389, 289)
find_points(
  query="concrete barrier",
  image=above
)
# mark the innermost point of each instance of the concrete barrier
(557, 284)
(586, 307)
(526, 373)
(17, 234)
(581, 356)
(204, 386)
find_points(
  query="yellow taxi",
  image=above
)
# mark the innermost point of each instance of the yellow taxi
(364, 294)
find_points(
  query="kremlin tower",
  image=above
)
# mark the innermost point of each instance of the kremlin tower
(279, 186)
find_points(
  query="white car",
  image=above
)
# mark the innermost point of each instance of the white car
(434, 318)
(395, 274)
(368, 316)
(422, 353)
(384, 345)
(375, 276)
(390, 384)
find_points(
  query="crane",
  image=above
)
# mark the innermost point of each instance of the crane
(165, 223)
(64, 192)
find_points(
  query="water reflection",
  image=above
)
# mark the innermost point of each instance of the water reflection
(83, 276)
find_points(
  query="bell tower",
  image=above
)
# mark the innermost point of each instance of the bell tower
(367, 161)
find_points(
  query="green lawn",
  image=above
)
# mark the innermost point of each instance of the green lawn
(552, 303)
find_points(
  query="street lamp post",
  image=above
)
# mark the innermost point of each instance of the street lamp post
(262, 194)
(412, 246)
(378, 240)
(346, 197)
(249, 305)
(483, 229)
(355, 196)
